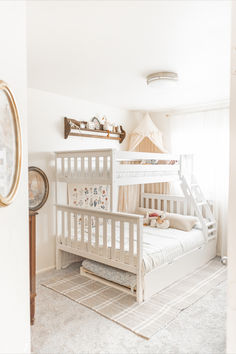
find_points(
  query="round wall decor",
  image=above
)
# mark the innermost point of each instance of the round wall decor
(38, 188)
(10, 145)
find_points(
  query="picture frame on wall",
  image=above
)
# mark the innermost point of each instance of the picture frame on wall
(10, 145)
(38, 188)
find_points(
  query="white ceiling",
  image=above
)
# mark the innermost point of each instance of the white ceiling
(103, 50)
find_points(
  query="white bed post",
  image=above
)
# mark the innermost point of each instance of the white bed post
(140, 280)
(141, 195)
(114, 187)
(58, 259)
(58, 251)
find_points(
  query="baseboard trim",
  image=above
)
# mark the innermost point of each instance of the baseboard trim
(45, 269)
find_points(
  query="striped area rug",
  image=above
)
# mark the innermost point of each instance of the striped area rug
(147, 318)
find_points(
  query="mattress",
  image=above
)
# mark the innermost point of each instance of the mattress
(160, 246)
(112, 274)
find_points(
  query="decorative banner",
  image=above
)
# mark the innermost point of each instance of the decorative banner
(89, 196)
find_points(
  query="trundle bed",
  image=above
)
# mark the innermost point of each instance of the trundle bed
(118, 249)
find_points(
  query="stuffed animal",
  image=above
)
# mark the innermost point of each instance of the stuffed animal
(156, 220)
(162, 222)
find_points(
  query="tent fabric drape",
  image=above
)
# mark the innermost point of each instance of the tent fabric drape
(145, 138)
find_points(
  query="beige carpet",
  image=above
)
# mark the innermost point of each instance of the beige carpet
(143, 319)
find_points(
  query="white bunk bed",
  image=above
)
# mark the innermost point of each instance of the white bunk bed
(116, 239)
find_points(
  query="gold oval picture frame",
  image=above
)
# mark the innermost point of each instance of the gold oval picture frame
(10, 145)
(38, 188)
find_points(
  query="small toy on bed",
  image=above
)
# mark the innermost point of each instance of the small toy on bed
(156, 220)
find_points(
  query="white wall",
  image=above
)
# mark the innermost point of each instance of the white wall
(231, 311)
(206, 135)
(46, 135)
(14, 252)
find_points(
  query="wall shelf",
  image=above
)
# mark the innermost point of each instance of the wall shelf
(72, 128)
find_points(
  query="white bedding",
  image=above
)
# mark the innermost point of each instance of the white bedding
(163, 246)
(159, 246)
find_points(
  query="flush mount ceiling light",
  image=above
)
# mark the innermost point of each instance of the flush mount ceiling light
(154, 80)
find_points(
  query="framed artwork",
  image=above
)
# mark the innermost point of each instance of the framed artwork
(10, 146)
(38, 188)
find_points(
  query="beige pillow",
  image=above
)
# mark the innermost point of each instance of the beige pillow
(181, 222)
(177, 221)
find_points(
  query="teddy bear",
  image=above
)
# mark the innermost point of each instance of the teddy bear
(156, 220)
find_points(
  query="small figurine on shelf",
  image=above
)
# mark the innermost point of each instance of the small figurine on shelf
(108, 126)
(103, 120)
(83, 125)
(96, 122)
(90, 125)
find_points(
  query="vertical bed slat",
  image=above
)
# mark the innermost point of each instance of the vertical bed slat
(63, 167)
(69, 228)
(185, 207)
(153, 203)
(105, 237)
(82, 167)
(76, 167)
(75, 229)
(122, 244)
(131, 243)
(192, 209)
(97, 234)
(69, 167)
(139, 293)
(90, 169)
(178, 206)
(82, 231)
(113, 239)
(58, 238)
(104, 172)
(141, 195)
(97, 166)
(89, 233)
(165, 205)
(171, 206)
(63, 227)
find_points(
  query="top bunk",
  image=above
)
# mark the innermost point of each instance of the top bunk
(109, 166)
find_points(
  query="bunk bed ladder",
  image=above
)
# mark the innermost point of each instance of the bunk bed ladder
(193, 193)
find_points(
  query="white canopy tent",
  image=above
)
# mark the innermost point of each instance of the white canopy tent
(145, 138)
(145, 131)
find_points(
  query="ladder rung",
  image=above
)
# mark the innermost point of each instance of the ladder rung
(211, 231)
(211, 223)
(201, 203)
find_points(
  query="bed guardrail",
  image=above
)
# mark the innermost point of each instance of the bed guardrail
(84, 166)
(113, 238)
(172, 204)
(167, 203)
(108, 166)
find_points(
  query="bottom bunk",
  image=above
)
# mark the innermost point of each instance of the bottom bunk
(170, 255)
(153, 257)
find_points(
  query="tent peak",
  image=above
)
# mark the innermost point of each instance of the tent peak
(146, 129)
